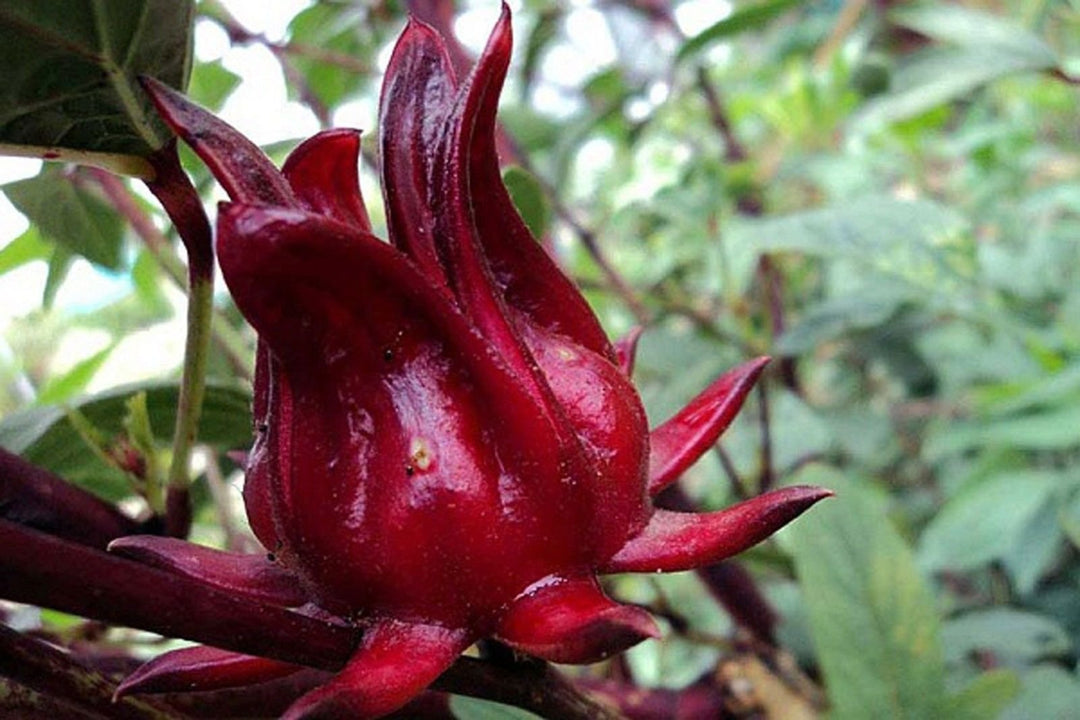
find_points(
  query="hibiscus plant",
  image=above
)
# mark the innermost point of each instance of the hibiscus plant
(410, 464)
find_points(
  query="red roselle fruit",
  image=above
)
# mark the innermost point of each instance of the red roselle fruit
(449, 448)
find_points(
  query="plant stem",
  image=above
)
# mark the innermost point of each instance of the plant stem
(768, 475)
(52, 673)
(97, 585)
(35, 497)
(125, 592)
(532, 685)
(181, 201)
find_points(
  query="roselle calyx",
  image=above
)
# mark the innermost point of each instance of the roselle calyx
(448, 446)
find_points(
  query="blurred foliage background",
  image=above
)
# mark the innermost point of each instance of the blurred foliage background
(885, 196)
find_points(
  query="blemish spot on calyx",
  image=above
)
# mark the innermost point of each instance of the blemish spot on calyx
(420, 454)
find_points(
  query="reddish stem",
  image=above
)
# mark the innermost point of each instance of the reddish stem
(34, 497)
(94, 584)
(54, 674)
(173, 189)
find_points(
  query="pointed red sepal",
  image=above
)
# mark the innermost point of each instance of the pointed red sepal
(457, 244)
(418, 93)
(239, 165)
(674, 541)
(394, 663)
(626, 350)
(253, 576)
(323, 172)
(530, 280)
(572, 621)
(681, 440)
(201, 668)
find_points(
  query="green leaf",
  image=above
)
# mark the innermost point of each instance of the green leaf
(1053, 429)
(984, 697)
(140, 433)
(983, 521)
(69, 77)
(24, 249)
(1036, 548)
(330, 28)
(875, 229)
(934, 78)
(44, 435)
(836, 317)
(59, 263)
(1015, 637)
(70, 216)
(747, 18)
(467, 708)
(983, 48)
(1049, 693)
(211, 83)
(872, 617)
(529, 198)
(959, 25)
(75, 380)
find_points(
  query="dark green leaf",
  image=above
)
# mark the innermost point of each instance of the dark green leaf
(529, 198)
(45, 437)
(872, 617)
(68, 76)
(837, 317)
(747, 18)
(70, 216)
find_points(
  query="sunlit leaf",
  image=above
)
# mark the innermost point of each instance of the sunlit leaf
(70, 215)
(982, 48)
(65, 386)
(745, 18)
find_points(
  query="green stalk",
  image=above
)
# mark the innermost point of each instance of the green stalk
(192, 391)
(172, 187)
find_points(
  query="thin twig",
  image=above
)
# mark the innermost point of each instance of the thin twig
(53, 673)
(767, 477)
(173, 189)
(845, 23)
(734, 479)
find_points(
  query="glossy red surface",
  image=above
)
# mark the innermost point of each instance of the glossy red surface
(448, 446)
